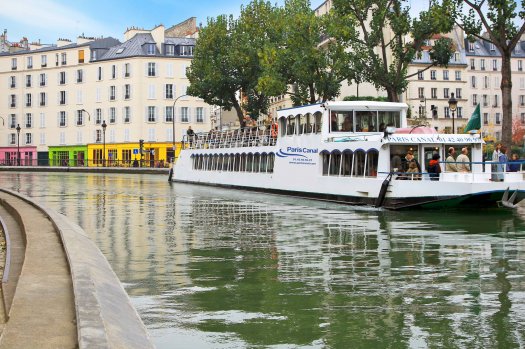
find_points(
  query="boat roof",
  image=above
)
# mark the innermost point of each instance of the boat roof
(343, 105)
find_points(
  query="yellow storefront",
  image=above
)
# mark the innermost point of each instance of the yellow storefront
(154, 154)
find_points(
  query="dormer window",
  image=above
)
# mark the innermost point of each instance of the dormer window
(471, 46)
(170, 50)
(492, 47)
(518, 47)
(93, 55)
(186, 50)
(150, 49)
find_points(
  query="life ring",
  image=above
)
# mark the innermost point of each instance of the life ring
(273, 130)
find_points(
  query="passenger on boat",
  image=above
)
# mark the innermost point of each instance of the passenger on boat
(434, 169)
(502, 165)
(413, 172)
(463, 161)
(347, 124)
(268, 121)
(396, 163)
(191, 134)
(382, 127)
(515, 166)
(333, 122)
(451, 161)
(495, 160)
(409, 158)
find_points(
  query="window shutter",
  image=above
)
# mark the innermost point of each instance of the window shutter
(146, 68)
(204, 113)
(189, 114)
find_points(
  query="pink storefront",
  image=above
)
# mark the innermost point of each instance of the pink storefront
(9, 157)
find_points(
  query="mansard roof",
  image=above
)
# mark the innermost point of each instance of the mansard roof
(482, 48)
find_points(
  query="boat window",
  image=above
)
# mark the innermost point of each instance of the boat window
(302, 123)
(256, 162)
(372, 157)
(398, 154)
(237, 162)
(290, 126)
(359, 163)
(264, 159)
(365, 121)
(388, 118)
(347, 159)
(335, 163)
(242, 166)
(249, 162)
(325, 160)
(341, 121)
(308, 126)
(282, 126)
(318, 122)
(271, 161)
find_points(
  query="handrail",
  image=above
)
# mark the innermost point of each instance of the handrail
(7, 265)
(243, 137)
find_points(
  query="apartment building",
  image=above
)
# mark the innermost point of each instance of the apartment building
(58, 98)
(484, 80)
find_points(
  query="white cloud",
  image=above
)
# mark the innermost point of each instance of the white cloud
(49, 18)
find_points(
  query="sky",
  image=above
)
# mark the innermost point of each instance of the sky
(48, 20)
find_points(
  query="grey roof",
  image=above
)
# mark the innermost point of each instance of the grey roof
(425, 59)
(482, 49)
(99, 43)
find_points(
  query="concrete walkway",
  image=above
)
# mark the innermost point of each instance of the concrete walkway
(42, 313)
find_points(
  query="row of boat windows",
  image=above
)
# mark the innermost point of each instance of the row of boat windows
(301, 124)
(260, 163)
(352, 164)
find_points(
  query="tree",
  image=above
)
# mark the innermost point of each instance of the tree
(302, 57)
(496, 17)
(518, 132)
(382, 39)
(213, 73)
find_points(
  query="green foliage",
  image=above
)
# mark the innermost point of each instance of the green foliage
(365, 98)
(382, 39)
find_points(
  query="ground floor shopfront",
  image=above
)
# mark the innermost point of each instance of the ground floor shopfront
(147, 154)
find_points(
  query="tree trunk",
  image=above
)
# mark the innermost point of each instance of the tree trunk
(392, 94)
(312, 94)
(238, 109)
(506, 100)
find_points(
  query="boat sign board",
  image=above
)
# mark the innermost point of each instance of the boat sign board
(434, 139)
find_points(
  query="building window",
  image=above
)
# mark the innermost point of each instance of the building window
(127, 70)
(12, 138)
(98, 139)
(433, 92)
(458, 93)
(485, 118)
(474, 99)
(43, 79)
(98, 116)
(12, 81)
(43, 99)
(522, 100)
(112, 115)
(12, 100)
(472, 64)
(471, 46)
(29, 99)
(62, 78)
(99, 73)
(29, 62)
(520, 65)
(127, 114)
(421, 92)
(496, 101)
(482, 64)
(64, 58)
(151, 69)
(485, 100)
(81, 56)
(446, 93)
(186, 50)
(492, 47)
(170, 50)
(169, 91)
(459, 112)
(151, 114)
(473, 81)
(498, 119)
(12, 119)
(127, 91)
(199, 114)
(486, 82)
(62, 99)
(29, 81)
(494, 64)
(420, 75)
(458, 75)
(94, 55)
(445, 74)
(432, 75)
(184, 117)
(522, 118)
(14, 64)
(43, 61)
(113, 71)
(62, 119)
(29, 138)
(447, 112)
(80, 117)
(151, 49)
(80, 75)
(112, 93)
(169, 114)
(29, 120)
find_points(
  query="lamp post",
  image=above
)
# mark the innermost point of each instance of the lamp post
(104, 125)
(85, 111)
(452, 105)
(173, 124)
(18, 144)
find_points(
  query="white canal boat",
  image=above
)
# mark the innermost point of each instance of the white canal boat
(347, 152)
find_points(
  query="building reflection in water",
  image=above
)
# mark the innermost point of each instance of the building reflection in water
(216, 267)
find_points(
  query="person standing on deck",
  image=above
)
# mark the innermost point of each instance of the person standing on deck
(451, 161)
(463, 161)
(495, 160)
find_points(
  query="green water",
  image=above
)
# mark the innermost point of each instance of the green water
(214, 268)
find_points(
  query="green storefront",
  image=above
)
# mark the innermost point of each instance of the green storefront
(68, 155)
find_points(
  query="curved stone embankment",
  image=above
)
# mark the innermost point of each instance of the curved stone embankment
(58, 290)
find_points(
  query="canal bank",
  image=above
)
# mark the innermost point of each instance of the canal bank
(58, 290)
(137, 170)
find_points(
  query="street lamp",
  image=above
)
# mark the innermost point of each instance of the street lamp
(452, 105)
(85, 111)
(104, 125)
(18, 144)
(173, 122)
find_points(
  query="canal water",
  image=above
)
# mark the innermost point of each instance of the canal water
(215, 268)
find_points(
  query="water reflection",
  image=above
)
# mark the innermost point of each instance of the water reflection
(218, 268)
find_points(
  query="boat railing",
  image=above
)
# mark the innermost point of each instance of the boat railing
(245, 137)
